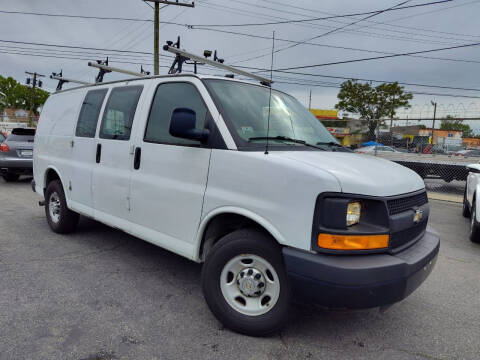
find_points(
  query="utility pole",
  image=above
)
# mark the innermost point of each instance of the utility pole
(32, 80)
(156, 22)
(156, 40)
(310, 101)
(434, 114)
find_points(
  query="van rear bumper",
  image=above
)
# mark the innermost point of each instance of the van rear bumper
(360, 281)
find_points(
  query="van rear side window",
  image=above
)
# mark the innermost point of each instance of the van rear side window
(87, 121)
(119, 112)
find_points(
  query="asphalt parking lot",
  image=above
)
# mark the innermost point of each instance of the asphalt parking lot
(102, 294)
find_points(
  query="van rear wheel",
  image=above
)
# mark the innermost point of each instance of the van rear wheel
(59, 217)
(245, 284)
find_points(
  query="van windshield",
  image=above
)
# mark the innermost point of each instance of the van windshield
(247, 107)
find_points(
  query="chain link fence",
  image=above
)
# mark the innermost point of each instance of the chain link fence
(439, 151)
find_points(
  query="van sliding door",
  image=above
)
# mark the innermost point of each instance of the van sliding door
(83, 153)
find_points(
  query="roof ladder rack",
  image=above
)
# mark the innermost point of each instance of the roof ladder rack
(218, 63)
(104, 68)
(62, 80)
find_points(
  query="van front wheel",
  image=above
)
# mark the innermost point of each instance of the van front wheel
(60, 218)
(245, 284)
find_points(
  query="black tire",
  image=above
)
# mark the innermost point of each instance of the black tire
(474, 225)
(67, 220)
(10, 177)
(239, 243)
(465, 208)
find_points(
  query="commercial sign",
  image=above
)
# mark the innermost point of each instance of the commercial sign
(337, 131)
(325, 114)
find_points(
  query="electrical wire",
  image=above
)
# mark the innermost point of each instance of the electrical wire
(298, 82)
(322, 18)
(380, 57)
(335, 29)
(219, 25)
(310, 10)
(328, 46)
(142, 57)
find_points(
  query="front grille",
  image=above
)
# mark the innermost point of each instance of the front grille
(404, 236)
(396, 206)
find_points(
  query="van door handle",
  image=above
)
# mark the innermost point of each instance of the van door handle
(137, 158)
(99, 153)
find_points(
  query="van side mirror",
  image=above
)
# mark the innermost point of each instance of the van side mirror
(182, 125)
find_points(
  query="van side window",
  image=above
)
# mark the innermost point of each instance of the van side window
(168, 97)
(119, 112)
(87, 121)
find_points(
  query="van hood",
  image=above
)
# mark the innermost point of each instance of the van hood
(360, 174)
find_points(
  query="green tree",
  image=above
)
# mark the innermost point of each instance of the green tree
(372, 103)
(18, 96)
(451, 123)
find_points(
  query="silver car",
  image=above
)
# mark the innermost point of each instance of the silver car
(16, 153)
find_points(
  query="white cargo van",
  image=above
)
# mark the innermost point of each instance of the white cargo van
(181, 162)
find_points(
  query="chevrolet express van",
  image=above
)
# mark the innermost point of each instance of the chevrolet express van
(246, 182)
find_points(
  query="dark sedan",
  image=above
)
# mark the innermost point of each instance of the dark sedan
(16, 154)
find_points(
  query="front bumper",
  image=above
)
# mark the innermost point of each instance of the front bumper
(360, 281)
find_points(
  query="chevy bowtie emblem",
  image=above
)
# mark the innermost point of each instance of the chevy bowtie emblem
(417, 217)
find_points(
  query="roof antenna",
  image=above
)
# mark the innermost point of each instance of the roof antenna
(270, 96)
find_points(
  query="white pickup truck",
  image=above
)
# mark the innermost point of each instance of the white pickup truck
(246, 182)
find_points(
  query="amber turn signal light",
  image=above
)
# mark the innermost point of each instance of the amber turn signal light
(352, 242)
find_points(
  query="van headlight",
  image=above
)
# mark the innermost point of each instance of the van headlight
(350, 223)
(353, 213)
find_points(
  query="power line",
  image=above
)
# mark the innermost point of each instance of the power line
(144, 61)
(76, 47)
(131, 54)
(410, 39)
(336, 29)
(299, 83)
(84, 16)
(378, 81)
(328, 46)
(380, 57)
(220, 25)
(146, 3)
(355, 31)
(410, 92)
(323, 18)
(310, 10)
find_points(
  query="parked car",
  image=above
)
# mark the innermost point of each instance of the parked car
(188, 163)
(452, 149)
(16, 153)
(470, 201)
(371, 149)
(468, 153)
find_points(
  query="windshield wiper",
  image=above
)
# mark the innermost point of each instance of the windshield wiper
(334, 146)
(331, 143)
(285, 138)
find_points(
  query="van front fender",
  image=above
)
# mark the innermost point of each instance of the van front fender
(265, 224)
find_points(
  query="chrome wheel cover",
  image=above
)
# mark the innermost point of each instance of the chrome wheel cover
(250, 284)
(54, 207)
